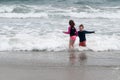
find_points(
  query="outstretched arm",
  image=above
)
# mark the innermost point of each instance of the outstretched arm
(68, 32)
(89, 32)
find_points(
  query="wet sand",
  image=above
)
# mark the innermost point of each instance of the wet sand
(59, 65)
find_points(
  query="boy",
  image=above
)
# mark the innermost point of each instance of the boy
(81, 35)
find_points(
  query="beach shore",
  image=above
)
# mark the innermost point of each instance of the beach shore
(83, 65)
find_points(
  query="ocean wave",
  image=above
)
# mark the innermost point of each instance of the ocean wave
(27, 42)
(61, 15)
(16, 8)
(90, 2)
(31, 11)
(21, 15)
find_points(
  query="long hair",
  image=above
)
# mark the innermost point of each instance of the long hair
(71, 23)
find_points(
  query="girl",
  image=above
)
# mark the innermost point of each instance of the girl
(72, 32)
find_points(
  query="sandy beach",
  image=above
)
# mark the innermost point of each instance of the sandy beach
(84, 65)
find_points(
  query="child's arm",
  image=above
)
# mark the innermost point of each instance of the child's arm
(76, 33)
(68, 32)
(89, 32)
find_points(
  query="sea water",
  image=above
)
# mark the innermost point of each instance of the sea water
(38, 24)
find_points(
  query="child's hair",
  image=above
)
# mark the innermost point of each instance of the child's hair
(81, 26)
(71, 22)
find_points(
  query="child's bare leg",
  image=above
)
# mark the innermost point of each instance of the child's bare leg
(73, 41)
(70, 44)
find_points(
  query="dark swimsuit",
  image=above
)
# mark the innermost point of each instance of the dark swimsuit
(82, 37)
(73, 32)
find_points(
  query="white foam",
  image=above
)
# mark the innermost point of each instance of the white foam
(23, 15)
(94, 15)
(45, 34)
(103, 42)
(6, 9)
(23, 41)
(32, 11)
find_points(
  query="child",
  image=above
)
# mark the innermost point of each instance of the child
(72, 32)
(81, 35)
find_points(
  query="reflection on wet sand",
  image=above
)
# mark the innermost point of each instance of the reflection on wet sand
(82, 58)
(74, 57)
(78, 60)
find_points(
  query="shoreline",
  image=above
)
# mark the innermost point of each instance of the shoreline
(59, 66)
(89, 58)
